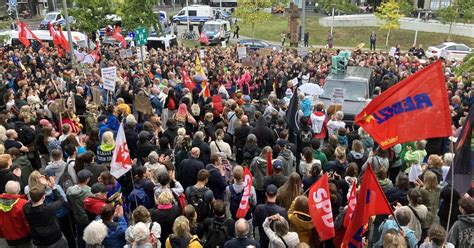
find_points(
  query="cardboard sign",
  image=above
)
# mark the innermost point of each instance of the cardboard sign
(96, 96)
(265, 52)
(58, 106)
(302, 52)
(242, 52)
(201, 53)
(337, 97)
(392, 51)
(142, 104)
(109, 75)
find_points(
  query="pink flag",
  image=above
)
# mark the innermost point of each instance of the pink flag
(121, 162)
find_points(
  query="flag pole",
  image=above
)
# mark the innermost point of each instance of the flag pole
(451, 146)
(68, 28)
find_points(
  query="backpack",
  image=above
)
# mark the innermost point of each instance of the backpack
(235, 199)
(65, 181)
(195, 109)
(138, 197)
(196, 198)
(306, 136)
(217, 235)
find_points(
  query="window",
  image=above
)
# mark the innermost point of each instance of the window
(462, 48)
(192, 13)
(181, 13)
(451, 48)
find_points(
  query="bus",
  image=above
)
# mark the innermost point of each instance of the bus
(227, 5)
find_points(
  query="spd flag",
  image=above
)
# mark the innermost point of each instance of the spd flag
(352, 201)
(370, 201)
(406, 111)
(117, 34)
(188, 83)
(244, 205)
(319, 203)
(121, 162)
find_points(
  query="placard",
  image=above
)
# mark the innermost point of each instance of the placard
(109, 75)
(265, 52)
(96, 96)
(302, 52)
(201, 53)
(142, 104)
(392, 51)
(123, 54)
(58, 106)
(242, 52)
(337, 97)
(129, 53)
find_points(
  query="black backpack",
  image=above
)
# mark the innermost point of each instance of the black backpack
(217, 235)
(306, 136)
(197, 198)
(65, 180)
(235, 199)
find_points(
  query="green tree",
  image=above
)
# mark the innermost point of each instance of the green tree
(389, 14)
(4, 38)
(252, 12)
(448, 15)
(90, 14)
(138, 13)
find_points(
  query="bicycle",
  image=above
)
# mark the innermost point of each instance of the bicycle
(189, 36)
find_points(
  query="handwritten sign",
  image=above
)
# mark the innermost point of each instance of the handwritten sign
(109, 75)
(338, 95)
(242, 52)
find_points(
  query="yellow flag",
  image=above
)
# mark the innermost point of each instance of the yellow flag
(198, 68)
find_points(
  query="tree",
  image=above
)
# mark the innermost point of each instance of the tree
(448, 15)
(90, 14)
(138, 13)
(252, 12)
(389, 14)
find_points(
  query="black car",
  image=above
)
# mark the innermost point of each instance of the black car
(254, 44)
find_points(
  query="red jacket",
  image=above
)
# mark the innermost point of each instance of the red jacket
(317, 116)
(94, 205)
(13, 224)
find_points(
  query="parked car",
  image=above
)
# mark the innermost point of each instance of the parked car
(217, 31)
(55, 18)
(254, 44)
(449, 50)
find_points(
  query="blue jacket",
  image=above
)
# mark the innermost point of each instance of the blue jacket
(112, 122)
(391, 224)
(306, 106)
(102, 129)
(115, 233)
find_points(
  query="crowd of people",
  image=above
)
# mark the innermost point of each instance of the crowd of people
(189, 153)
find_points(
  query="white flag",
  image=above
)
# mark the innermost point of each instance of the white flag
(121, 162)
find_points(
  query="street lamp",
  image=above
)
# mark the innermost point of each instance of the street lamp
(68, 27)
(332, 21)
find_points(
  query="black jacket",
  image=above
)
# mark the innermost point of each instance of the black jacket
(165, 217)
(205, 149)
(5, 176)
(43, 223)
(189, 170)
(80, 104)
(241, 134)
(132, 138)
(216, 182)
(264, 134)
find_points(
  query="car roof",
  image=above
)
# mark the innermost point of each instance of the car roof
(217, 22)
(354, 73)
(53, 13)
(249, 40)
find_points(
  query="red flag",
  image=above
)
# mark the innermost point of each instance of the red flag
(121, 162)
(64, 42)
(22, 34)
(205, 89)
(203, 38)
(319, 203)
(405, 111)
(370, 201)
(245, 202)
(57, 39)
(351, 203)
(117, 34)
(188, 83)
(269, 163)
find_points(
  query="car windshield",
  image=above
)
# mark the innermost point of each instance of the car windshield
(355, 91)
(261, 43)
(50, 17)
(440, 46)
(211, 28)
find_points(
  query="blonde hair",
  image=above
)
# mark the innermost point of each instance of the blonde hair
(5, 160)
(165, 198)
(340, 152)
(140, 233)
(95, 233)
(181, 131)
(392, 239)
(108, 138)
(430, 181)
(435, 161)
(34, 179)
(181, 227)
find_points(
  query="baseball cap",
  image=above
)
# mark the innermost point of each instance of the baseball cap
(277, 164)
(82, 175)
(272, 190)
(99, 188)
(49, 172)
(282, 142)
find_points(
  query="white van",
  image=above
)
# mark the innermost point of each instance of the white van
(78, 39)
(195, 13)
(217, 31)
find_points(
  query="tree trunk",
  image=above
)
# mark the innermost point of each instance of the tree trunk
(449, 33)
(386, 40)
(253, 30)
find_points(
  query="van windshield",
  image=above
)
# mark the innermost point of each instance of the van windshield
(355, 91)
(50, 17)
(211, 28)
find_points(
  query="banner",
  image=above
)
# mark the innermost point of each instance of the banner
(121, 162)
(338, 95)
(242, 52)
(406, 111)
(351, 203)
(244, 206)
(109, 75)
(319, 203)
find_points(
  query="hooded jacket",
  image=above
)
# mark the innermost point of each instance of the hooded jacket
(358, 158)
(13, 225)
(26, 168)
(115, 233)
(5, 176)
(288, 161)
(461, 233)
(76, 195)
(263, 133)
(258, 167)
(92, 206)
(58, 167)
(301, 223)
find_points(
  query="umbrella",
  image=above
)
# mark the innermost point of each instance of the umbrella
(311, 89)
(199, 79)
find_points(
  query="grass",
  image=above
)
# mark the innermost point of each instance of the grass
(348, 37)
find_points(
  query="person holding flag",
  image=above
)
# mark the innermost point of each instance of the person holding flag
(121, 162)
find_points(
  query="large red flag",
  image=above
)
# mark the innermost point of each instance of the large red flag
(57, 39)
(370, 201)
(319, 203)
(351, 203)
(406, 111)
(244, 206)
(117, 34)
(64, 42)
(22, 34)
(188, 83)
(121, 162)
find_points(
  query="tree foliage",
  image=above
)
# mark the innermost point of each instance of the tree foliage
(252, 11)
(389, 14)
(90, 14)
(466, 68)
(137, 13)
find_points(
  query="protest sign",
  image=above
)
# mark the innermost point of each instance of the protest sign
(337, 97)
(96, 95)
(392, 51)
(109, 75)
(143, 104)
(242, 52)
